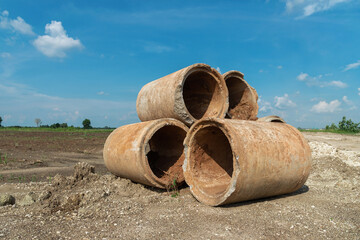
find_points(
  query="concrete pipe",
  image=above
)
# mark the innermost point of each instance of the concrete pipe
(229, 161)
(188, 95)
(242, 97)
(272, 118)
(149, 152)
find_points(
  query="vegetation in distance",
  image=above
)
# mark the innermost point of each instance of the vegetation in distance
(56, 127)
(345, 126)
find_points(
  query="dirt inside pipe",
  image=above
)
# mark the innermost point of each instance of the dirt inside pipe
(202, 95)
(241, 102)
(211, 161)
(166, 154)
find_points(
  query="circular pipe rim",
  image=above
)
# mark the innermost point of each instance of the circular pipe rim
(223, 91)
(153, 128)
(239, 75)
(198, 193)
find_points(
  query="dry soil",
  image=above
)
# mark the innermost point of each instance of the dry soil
(80, 204)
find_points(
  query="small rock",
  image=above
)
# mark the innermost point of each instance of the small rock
(6, 199)
(44, 195)
(27, 200)
(82, 170)
(59, 180)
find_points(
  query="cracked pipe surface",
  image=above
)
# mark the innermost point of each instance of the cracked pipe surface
(149, 152)
(228, 161)
(188, 95)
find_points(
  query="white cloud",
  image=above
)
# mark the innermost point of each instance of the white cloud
(260, 71)
(279, 67)
(349, 103)
(338, 84)
(21, 26)
(324, 107)
(101, 93)
(56, 42)
(5, 55)
(264, 106)
(359, 91)
(306, 8)
(302, 76)
(218, 69)
(283, 102)
(346, 100)
(352, 66)
(156, 48)
(316, 81)
(16, 25)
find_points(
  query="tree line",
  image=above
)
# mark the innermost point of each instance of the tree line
(345, 125)
(86, 124)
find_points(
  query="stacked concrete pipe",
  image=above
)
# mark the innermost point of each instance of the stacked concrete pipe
(188, 95)
(229, 161)
(242, 97)
(222, 160)
(150, 152)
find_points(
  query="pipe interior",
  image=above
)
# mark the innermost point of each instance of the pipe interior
(239, 98)
(202, 95)
(166, 155)
(211, 161)
(276, 120)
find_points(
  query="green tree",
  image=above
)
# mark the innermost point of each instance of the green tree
(87, 124)
(0, 121)
(349, 125)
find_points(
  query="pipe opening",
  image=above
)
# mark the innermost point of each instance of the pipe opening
(202, 95)
(211, 161)
(166, 155)
(240, 98)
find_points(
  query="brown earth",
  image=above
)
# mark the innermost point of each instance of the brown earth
(79, 204)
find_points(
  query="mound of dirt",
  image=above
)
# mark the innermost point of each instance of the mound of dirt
(321, 149)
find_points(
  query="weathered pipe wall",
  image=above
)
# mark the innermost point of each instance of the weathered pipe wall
(149, 152)
(242, 97)
(229, 161)
(271, 118)
(189, 94)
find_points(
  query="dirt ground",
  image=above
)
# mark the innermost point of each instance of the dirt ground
(79, 204)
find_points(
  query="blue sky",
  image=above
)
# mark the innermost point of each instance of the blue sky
(64, 61)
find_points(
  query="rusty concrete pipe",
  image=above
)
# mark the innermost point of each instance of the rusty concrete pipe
(271, 118)
(242, 97)
(229, 161)
(188, 95)
(149, 152)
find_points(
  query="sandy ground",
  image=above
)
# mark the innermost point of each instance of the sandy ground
(82, 205)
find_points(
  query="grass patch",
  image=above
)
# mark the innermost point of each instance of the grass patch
(3, 158)
(338, 131)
